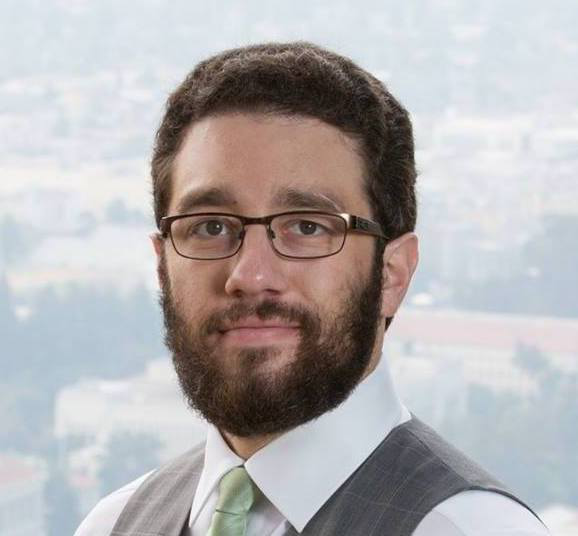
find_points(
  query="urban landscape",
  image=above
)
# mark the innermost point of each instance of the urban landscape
(487, 337)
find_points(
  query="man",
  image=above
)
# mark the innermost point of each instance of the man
(283, 181)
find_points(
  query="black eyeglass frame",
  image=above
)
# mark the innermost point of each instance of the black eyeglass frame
(352, 224)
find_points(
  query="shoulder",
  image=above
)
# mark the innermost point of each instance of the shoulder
(103, 516)
(480, 513)
(427, 444)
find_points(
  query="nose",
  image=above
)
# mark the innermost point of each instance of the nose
(256, 269)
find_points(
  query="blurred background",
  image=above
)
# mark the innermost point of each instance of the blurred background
(486, 347)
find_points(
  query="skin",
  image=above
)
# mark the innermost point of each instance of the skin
(252, 157)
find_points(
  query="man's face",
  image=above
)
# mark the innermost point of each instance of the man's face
(263, 343)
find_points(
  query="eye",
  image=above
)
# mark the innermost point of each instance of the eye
(210, 228)
(214, 227)
(308, 228)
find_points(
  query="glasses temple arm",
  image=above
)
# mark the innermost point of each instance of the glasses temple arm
(362, 225)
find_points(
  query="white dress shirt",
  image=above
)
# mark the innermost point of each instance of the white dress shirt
(299, 471)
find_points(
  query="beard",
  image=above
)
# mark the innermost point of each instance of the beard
(234, 391)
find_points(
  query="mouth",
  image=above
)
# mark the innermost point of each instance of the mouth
(258, 332)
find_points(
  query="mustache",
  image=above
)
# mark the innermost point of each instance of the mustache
(265, 310)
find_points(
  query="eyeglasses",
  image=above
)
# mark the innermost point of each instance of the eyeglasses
(295, 235)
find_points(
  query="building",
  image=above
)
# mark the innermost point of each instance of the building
(89, 413)
(22, 508)
(444, 352)
(562, 520)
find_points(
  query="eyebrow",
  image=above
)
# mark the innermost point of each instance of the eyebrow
(293, 197)
(287, 197)
(213, 197)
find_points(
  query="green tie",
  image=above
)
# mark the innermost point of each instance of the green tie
(236, 496)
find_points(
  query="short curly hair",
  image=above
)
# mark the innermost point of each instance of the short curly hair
(299, 79)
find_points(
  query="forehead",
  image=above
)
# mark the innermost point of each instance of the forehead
(257, 162)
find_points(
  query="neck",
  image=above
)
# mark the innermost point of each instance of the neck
(245, 447)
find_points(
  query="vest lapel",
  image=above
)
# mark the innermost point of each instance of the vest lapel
(402, 480)
(161, 505)
(412, 470)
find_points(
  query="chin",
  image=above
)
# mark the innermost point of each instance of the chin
(263, 359)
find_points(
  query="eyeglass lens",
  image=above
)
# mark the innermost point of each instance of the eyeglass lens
(301, 235)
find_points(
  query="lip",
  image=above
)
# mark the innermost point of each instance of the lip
(256, 324)
(257, 332)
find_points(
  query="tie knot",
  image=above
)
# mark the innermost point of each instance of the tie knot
(236, 492)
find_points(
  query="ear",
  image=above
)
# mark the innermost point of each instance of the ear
(399, 263)
(158, 243)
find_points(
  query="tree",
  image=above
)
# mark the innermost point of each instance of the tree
(129, 455)
(545, 283)
(63, 514)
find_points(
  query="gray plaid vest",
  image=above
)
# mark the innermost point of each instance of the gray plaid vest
(407, 475)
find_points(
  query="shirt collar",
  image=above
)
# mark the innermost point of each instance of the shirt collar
(219, 459)
(299, 471)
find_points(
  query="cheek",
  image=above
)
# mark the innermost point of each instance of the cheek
(328, 284)
(321, 288)
(191, 291)
(321, 285)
